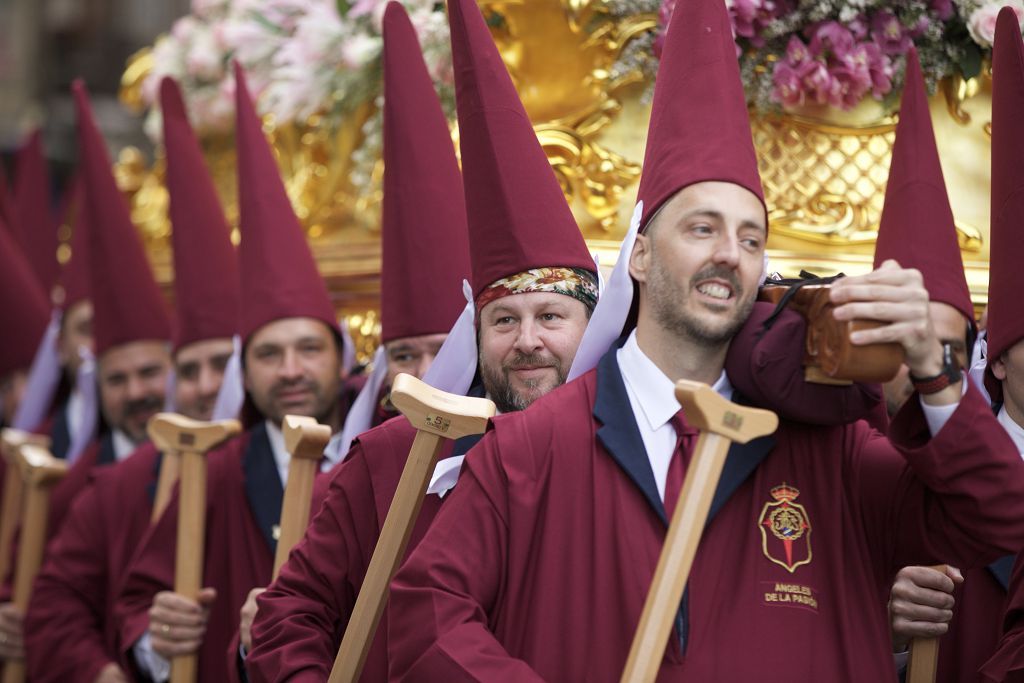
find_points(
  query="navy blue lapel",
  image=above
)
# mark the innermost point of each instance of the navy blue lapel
(1001, 570)
(151, 486)
(621, 436)
(741, 462)
(462, 446)
(107, 454)
(263, 484)
(60, 436)
(618, 431)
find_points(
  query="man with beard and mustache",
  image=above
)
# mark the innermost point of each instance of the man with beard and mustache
(534, 289)
(291, 364)
(538, 566)
(73, 597)
(132, 332)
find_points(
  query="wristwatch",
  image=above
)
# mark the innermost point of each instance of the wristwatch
(950, 374)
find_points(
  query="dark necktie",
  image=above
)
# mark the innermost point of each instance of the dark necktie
(686, 439)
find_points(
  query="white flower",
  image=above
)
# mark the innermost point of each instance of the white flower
(982, 22)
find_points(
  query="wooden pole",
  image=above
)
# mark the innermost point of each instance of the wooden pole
(10, 508)
(305, 439)
(170, 471)
(40, 471)
(720, 422)
(923, 659)
(436, 415)
(192, 439)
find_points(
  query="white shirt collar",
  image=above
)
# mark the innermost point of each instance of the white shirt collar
(655, 392)
(332, 451)
(123, 446)
(1015, 430)
(281, 456)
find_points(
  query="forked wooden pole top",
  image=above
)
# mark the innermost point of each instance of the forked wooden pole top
(13, 439)
(173, 432)
(431, 410)
(709, 411)
(304, 437)
(38, 467)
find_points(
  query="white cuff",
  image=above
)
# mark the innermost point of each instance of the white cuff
(938, 416)
(152, 664)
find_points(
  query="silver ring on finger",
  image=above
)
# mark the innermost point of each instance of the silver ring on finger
(165, 628)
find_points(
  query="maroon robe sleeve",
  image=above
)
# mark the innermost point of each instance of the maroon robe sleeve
(151, 571)
(68, 601)
(960, 501)
(443, 594)
(1007, 664)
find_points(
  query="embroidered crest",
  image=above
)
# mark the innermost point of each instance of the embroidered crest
(785, 529)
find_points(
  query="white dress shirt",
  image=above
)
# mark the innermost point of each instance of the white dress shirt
(1015, 430)
(653, 399)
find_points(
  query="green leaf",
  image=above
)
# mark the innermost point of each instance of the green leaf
(343, 7)
(970, 64)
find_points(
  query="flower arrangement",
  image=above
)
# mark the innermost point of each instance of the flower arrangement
(302, 57)
(826, 52)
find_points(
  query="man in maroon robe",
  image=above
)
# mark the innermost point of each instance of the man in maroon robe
(972, 649)
(292, 365)
(132, 327)
(73, 598)
(918, 231)
(534, 290)
(538, 566)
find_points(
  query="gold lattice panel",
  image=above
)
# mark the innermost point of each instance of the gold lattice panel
(824, 184)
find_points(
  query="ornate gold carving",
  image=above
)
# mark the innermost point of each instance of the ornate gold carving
(826, 183)
(364, 329)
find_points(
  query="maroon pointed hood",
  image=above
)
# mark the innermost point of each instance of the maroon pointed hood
(699, 129)
(917, 228)
(1006, 276)
(424, 234)
(34, 215)
(206, 284)
(277, 271)
(127, 303)
(24, 309)
(518, 216)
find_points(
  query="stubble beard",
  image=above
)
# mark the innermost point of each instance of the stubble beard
(669, 308)
(498, 384)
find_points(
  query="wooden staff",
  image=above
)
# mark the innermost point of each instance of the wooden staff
(923, 659)
(39, 471)
(720, 422)
(10, 509)
(305, 439)
(436, 415)
(190, 440)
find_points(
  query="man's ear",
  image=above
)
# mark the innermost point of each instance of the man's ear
(640, 258)
(999, 368)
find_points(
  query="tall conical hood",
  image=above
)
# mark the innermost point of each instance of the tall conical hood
(1006, 275)
(277, 269)
(24, 309)
(518, 217)
(205, 267)
(917, 228)
(424, 233)
(33, 213)
(127, 303)
(699, 129)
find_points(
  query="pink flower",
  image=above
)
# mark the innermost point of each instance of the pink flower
(796, 51)
(787, 89)
(830, 37)
(982, 22)
(943, 9)
(889, 34)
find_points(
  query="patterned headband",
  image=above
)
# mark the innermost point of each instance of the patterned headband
(577, 283)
